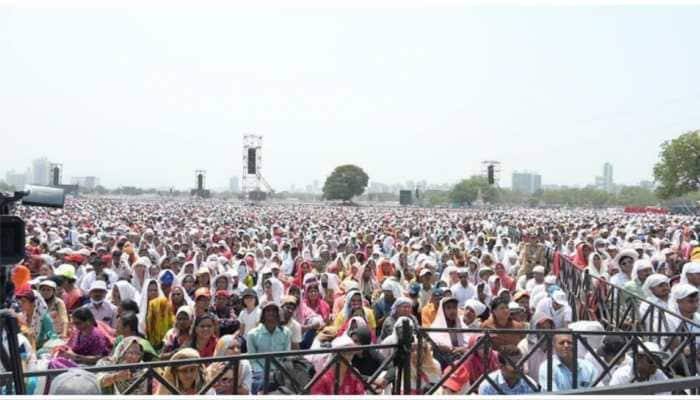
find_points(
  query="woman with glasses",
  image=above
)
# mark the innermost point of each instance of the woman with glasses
(204, 335)
(230, 345)
(188, 379)
(129, 351)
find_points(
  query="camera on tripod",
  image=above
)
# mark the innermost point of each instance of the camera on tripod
(12, 236)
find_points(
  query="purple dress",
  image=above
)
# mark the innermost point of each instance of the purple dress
(94, 343)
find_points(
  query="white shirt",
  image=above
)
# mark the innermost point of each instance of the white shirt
(462, 294)
(624, 376)
(250, 320)
(295, 328)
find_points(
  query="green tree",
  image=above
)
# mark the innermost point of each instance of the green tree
(99, 189)
(345, 182)
(678, 170)
(636, 196)
(467, 190)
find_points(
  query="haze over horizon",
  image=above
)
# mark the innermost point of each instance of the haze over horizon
(146, 96)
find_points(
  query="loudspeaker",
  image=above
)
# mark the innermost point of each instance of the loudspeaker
(489, 169)
(251, 162)
(200, 182)
(56, 175)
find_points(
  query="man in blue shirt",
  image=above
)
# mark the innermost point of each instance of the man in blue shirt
(268, 337)
(508, 379)
(563, 365)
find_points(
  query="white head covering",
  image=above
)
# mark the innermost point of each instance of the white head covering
(692, 267)
(640, 265)
(476, 305)
(393, 286)
(443, 338)
(126, 291)
(653, 281)
(143, 303)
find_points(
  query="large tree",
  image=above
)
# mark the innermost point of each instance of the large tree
(678, 170)
(345, 182)
(465, 192)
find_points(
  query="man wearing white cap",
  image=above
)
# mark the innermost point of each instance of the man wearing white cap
(557, 307)
(463, 290)
(102, 310)
(647, 368)
(684, 301)
(537, 279)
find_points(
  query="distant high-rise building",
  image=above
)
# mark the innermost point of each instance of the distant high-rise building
(649, 185)
(526, 182)
(18, 180)
(233, 185)
(40, 171)
(87, 182)
(608, 177)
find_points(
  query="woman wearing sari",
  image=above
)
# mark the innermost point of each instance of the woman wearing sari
(368, 281)
(156, 314)
(130, 350)
(354, 307)
(230, 345)
(35, 321)
(179, 297)
(179, 336)
(187, 379)
(472, 369)
(121, 291)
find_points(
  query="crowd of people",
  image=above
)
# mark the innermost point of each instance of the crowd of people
(112, 282)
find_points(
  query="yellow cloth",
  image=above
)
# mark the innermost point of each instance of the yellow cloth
(369, 316)
(427, 315)
(159, 319)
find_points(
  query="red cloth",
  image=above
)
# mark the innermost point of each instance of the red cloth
(579, 259)
(472, 369)
(350, 385)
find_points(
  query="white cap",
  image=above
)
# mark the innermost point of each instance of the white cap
(75, 382)
(559, 297)
(514, 307)
(425, 271)
(538, 269)
(98, 285)
(683, 290)
(655, 349)
(475, 305)
(48, 282)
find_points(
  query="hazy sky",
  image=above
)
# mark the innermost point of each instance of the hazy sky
(147, 95)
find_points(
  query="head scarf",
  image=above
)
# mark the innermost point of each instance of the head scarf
(126, 291)
(443, 338)
(692, 267)
(143, 303)
(170, 374)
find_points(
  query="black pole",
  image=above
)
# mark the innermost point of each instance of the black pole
(8, 324)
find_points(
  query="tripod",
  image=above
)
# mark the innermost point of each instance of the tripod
(9, 328)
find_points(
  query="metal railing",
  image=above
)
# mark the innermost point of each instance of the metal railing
(594, 298)
(545, 343)
(400, 359)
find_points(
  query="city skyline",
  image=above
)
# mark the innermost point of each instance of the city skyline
(537, 89)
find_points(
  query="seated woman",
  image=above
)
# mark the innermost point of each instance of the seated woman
(204, 336)
(179, 336)
(87, 344)
(129, 351)
(354, 307)
(349, 383)
(35, 321)
(156, 316)
(230, 345)
(186, 379)
(450, 345)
